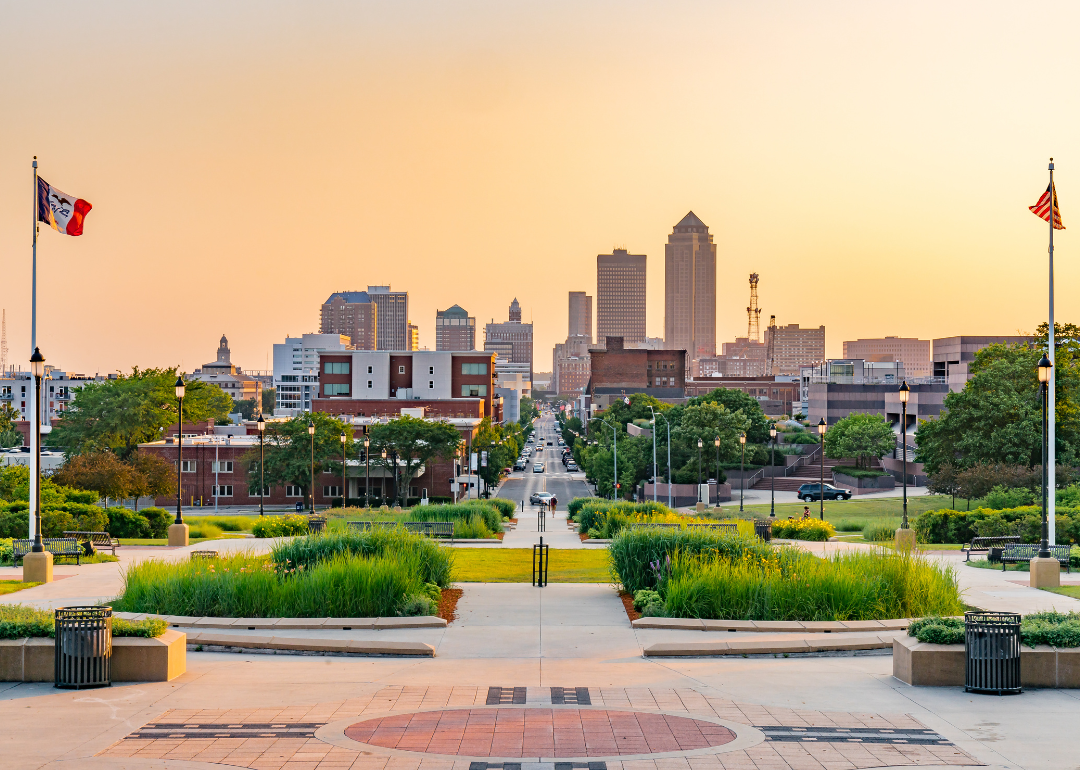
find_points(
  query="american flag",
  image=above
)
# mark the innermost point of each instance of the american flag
(1042, 208)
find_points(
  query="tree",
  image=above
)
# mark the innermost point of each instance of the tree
(861, 436)
(757, 431)
(246, 408)
(943, 481)
(503, 444)
(269, 399)
(152, 476)
(9, 434)
(412, 442)
(101, 471)
(528, 410)
(289, 453)
(133, 409)
(705, 421)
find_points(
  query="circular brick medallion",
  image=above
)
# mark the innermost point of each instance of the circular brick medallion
(539, 732)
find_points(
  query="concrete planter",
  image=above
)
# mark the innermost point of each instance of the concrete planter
(134, 659)
(860, 486)
(942, 665)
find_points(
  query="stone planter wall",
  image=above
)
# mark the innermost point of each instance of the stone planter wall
(134, 659)
(860, 486)
(942, 665)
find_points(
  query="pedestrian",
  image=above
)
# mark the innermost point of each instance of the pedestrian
(806, 512)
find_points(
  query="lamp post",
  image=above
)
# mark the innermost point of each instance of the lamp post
(661, 414)
(772, 471)
(1045, 369)
(699, 470)
(742, 470)
(311, 433)
(821, 487)
(716, 441)
(382, 481)
(905, 393)
(178, 531)
(367, 472)
(38, 564)
(344, 494)
(261, 425)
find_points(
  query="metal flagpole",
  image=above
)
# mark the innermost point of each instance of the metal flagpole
(32, 426)
(1051, 408)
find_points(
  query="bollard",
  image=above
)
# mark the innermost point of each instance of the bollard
(540, 564)
(541, 520)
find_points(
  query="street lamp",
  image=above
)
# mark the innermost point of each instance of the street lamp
(382, 485)
(178, 532)
(311, 433)
(699, 470)
(367, 472)
(905, 394)
(742, 470)
(666, 422)
(821, 487)
(1044, 383)
(343, 494)
(772, 470)
(261, 425)
(716, 441)
(37, 368)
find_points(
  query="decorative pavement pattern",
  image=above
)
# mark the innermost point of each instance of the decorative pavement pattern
(795, 739)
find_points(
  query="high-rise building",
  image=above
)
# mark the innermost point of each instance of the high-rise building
(512, 339)
(414, 336)
(913, 353)
(620, 296)
(393, 317)
(296, 370)
(794, 347)
(353, 314)
(580, 315)
(690, 289)
(455, 329)
(953, 356)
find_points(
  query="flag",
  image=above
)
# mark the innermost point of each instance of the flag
(64, 213)
(1042, 208)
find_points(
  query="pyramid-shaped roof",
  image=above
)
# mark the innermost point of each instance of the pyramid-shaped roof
(691, 220)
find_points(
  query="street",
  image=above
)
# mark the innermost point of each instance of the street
(555, 478)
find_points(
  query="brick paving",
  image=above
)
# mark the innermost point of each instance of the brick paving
(625, 727)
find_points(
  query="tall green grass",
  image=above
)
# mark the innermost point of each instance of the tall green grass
(422, 555)
(475, 518)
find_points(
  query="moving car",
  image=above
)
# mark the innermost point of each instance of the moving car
(538, 468)
(571, 466)
(519, 465)
(541, 497)
(811, 493)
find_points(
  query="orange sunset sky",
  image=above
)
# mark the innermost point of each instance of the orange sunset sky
(872, 161)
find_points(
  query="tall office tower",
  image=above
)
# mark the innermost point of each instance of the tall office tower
(353, 314)
(511, 339)
(794, 347)
(580, 315)
(414, 336)
(690, 289)
(620, 296)
(393, 317)
(455, 329)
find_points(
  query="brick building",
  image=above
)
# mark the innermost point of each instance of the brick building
(795, 347)
(913, 353)
(455, 329)
(775, 395)
(352, 314)
(617, 371)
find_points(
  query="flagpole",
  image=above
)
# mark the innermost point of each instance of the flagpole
(33, 429)
(1051, 464)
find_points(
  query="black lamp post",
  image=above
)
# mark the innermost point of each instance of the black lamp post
(699, 470)
(261, 425)
(367, 472)
(821, 487)
(343, 482)
(1045, 369)
(716, 442)
(37, 368)
(742, 470)
(382, 486)
(179, 386)
(772, 470)
(905, 394)
(311, 433)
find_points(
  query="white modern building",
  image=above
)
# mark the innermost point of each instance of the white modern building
(296, 370)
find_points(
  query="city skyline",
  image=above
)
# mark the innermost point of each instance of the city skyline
(171, 153)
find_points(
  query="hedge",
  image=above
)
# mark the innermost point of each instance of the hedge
(949, 526)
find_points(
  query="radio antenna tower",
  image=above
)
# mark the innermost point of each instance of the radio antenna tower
(770, 346)
(752, 332)
(3, 343)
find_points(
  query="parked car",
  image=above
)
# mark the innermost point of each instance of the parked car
(811, 493)
(571, 466)
(519, 465)
(538, 468)
(541, 497)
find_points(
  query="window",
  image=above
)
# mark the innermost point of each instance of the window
(335, 389)
(401, 370)
(474, 369)
(225, 490)
(471, 391)
(369, 384)
(369, 370)
(336, 367)
(265, 493)
(331, 491)
(431, 370)
(187, 466)
(431, 384)
(293, 491)
(224, 466)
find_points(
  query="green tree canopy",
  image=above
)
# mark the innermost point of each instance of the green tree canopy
(120, 414)
(503, 444)
(415, 442)
(289, 450)
(757, 431)
(9, 434)
(860, 436)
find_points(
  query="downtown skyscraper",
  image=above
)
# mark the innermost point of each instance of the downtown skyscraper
(620, 297)
(690, 290)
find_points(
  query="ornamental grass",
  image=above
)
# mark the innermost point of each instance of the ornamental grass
(635, 552)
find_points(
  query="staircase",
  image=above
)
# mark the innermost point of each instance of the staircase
(803, 474)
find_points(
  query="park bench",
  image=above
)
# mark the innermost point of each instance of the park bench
(204, 554)
(426, 528)
(1025, 552)
(986, 544)
(731, 527)
(99, 540)
(57, 546)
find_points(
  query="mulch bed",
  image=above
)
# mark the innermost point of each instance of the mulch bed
(628, 605)
(448, 604)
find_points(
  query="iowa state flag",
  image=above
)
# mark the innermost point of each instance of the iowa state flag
(64, 213)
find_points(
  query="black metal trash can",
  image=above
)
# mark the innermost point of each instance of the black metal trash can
(992, 652)
(83, 651)
(316, 524)
(763, 529)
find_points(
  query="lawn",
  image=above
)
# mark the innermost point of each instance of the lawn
(165, 541)
(1071, 591)
(514, 565)
(889, 508)
(11, 586)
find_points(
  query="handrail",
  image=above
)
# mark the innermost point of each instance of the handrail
(803, 460)
(749, 483)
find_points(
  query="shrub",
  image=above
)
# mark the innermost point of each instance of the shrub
(204, 530)
(127, 523)
(18, 621)
(417, 605)
(158, 520)
(937, 630)
(290, 525)
(1001, 497)
(859, 473)
(1056, 629)
(648, 603)
(802, 529)
(7, 550)
(506, 507)
(147, 628)
(949, 526)
(801, 438)
(878, 533)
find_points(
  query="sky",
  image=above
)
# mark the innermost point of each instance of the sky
(873, 162)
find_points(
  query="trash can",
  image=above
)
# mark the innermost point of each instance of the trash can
(763, 529)
(316, 524)
(992, 652)
(83, 651)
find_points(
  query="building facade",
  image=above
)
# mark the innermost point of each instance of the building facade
(580, 322)
(617, 371)
(455, 329)
(352, 314)
(690, 289)
(223, 373)
(913, 353)
(414, 337)
(794, 347)
(392, 322)
(296, 370)
(512, 339)
(570, 365)
(620, 296)
(777, 395)
(953, 356)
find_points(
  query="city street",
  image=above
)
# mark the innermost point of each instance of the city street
(555, 478)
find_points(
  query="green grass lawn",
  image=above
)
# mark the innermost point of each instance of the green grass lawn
(514, 565)
(165, 541)
(11, 586)
(1071, 591)
(870, 511)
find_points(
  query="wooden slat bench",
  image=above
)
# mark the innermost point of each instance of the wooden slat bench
(57, 546)
(100, 540)
(440, 529)
(1025, 552)
(984, 544)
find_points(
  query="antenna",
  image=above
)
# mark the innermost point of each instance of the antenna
(3, 343)
(752, 332)
(771, 347)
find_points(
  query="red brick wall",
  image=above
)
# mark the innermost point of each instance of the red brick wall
(400, 379)
(457, 379)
